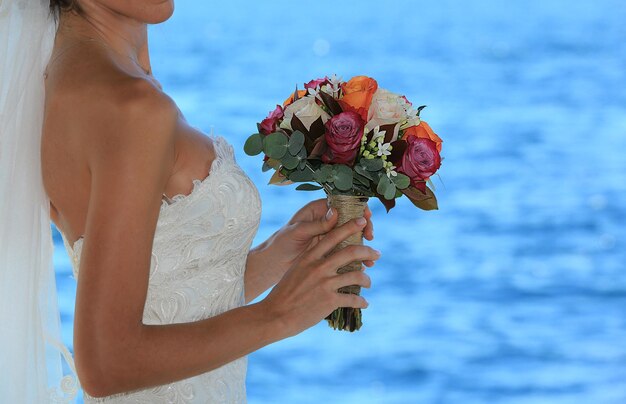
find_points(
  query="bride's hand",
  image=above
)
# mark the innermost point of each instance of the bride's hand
(308, 292)
(307, 228)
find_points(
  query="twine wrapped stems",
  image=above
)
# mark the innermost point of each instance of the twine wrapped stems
(348, 207)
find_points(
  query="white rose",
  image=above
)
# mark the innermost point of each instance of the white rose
(387, 108)
(307, 110)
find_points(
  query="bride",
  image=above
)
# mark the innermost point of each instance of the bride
(157, 218)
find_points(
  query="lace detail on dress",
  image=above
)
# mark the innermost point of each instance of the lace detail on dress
(199, 255)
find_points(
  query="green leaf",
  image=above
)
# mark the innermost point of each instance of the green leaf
(342, 177)
(361, 179)
(253, 145)
(374, 164)
(402, 181)
(296, 141)
(362, 171)
(275, 145)
(386, 188)
(308, 187)
(266, 166)
(383, 184)
(390, 192)
(301, 176)
(324, 174)
(290, 162)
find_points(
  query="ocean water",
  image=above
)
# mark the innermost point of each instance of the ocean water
(515, 290)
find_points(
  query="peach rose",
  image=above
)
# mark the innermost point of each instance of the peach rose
(357, 95)
(424, 131)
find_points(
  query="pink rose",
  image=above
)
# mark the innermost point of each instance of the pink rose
(343, 138)
(420, 160)
(315, 83)
(268, 125)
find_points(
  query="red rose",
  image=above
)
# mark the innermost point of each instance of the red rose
(314, 83)
(343, 138)
(420, 160)
(268, 125)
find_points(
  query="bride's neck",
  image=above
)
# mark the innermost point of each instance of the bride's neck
(122, 34)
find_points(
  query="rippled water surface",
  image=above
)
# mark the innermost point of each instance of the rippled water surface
(515, 290)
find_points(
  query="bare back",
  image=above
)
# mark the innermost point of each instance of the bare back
(79, 85)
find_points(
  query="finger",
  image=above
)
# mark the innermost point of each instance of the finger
(350, 300)
(334, 237)
(368, 263)
(350, 254)
(311, 211)
(368, 231)
(321, 225)
(349, 278)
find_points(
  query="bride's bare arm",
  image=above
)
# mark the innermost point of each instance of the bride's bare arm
(130, 157)
(261, 271)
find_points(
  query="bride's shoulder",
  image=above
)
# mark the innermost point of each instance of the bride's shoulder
(87, 98)
(107, 117)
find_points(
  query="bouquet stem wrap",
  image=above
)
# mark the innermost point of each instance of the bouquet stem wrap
(348, 207)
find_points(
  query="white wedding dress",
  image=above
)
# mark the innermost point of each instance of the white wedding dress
(197, 271)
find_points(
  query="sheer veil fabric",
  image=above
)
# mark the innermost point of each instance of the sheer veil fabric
(30, 344)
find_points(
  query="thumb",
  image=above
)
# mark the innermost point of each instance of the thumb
(320, 226)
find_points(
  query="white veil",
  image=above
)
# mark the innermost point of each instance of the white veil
(31, 350)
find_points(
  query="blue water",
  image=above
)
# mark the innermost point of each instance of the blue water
(515, 290)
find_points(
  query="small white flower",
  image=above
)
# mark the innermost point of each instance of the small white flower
(378, 133)
(335, 84)
(391, 172)
(383, 149)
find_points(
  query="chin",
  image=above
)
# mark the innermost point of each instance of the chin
(146, 11)
(159, 12)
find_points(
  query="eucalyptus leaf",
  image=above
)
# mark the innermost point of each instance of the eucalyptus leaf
(342, 177)
(383, 184)
(362, 171)
(327, 169)
(342, 169)
(275, 145)
(390, 192)
(308, 187)
(253, 145)
(290, 162)
(361, 179)
(400, 180)
(266, 167)
(275, 164)
(301, 175)
(296, 141)
(374, 164)
(324, 174)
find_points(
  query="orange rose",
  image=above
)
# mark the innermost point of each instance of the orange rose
(289, 100)
(424, 131)
(357, 95)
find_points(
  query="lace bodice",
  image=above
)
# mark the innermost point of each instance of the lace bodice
(197, 271)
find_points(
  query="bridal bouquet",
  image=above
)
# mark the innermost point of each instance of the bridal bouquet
(355, 141)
